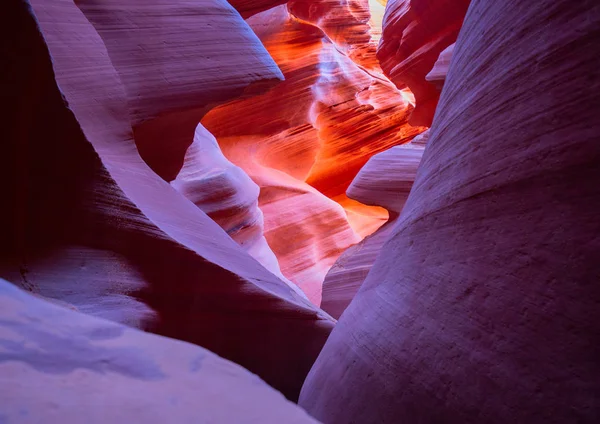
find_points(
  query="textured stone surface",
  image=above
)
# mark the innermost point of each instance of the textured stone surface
(87, 222)
(349, 271)
(384, 181)
(313, 131)
(438, 73)
(226, 194)
(347, 23)
(414, 34)
(176, 58)
(483, 306)
(67, 367)
(387, 178)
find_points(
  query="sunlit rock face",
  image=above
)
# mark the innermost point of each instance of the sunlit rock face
(226, 194)
(354, 26)
(386, 181)
(88, 223)
(67, 367)
(304, 141)
(483, 304)
(414, 34)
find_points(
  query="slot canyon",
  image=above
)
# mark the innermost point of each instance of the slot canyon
(301, 211)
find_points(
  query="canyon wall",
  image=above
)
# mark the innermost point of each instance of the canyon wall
(415, 32)
(89, 225)
(483, 304)
(386, 181)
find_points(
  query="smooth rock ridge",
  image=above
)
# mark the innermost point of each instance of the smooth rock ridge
(67, 367)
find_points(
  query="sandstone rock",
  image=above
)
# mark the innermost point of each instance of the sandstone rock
(248, 8)
(349, 271)
(226, 194)
(176, 59)
(483, 306)
(387, 178)
(415, 32)
(438, 73)
(345, 22)
(66, 367)
(384, 181)
(87, 222)
(313, 131)
(421, 140)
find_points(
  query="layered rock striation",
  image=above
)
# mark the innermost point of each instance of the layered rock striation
(415, 32)
(483, 304)
(176, 59)
(227, 195)
(386, 181)
(305, 140)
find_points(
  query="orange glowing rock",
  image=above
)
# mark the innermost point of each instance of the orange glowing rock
(414, 35)
(346, 24)
(315, 130)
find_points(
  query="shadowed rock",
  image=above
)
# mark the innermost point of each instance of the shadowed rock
(63, 366)
(483, 304)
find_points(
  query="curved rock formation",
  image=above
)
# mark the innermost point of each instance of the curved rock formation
(62, 366)
(176, 56)
(437, 75)
(313, 131)
(414, 34)
(87, 222)
(345, 22)
(387, 178)
(483, 305)
(384, 181)
(226, 194)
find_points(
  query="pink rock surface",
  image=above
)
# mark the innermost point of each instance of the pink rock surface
(384, 181)
(67, 367)
(437, 75)
(176, 59)
(483, 305)
(414, 34)
(226, 194)
(87, 222)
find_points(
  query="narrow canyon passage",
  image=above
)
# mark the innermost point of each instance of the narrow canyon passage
(300, 211)
(304, 140)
